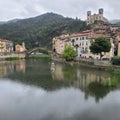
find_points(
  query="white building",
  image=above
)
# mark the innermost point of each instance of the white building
(81, 42)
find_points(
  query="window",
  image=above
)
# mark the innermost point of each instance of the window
(86, 49)
(76, 38)
(82, 38)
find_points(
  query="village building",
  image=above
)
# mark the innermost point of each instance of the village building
(6, 46)
(100, 27)
(81, 43)
(118, 48)
(59, 43)
(20, 48)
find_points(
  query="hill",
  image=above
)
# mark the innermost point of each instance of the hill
(40, 30)
(116, 21)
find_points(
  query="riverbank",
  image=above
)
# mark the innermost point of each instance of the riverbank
(13, 56)
(18, 56)
(96, 64)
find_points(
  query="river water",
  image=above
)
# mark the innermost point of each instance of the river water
(29, 90)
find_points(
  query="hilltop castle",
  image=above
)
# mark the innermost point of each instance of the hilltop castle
(82, 41)
(95, 17)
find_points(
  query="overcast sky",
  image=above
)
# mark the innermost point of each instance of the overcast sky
(11, 9)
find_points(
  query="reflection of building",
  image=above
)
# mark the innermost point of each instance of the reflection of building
(80, 77)
(7, 67)
(3, 70)
(58, 73)
(90, 81)
(85, 77)
(20, 48)
(20, 66)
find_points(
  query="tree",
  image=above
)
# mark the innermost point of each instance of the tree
(69, 53)
(100, 45)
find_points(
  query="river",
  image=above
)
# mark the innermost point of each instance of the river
(29, 90)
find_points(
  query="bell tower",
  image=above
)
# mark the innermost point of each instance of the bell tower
(88, 17)
(101, 11)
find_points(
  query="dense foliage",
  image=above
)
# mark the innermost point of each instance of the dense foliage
(115, 60)
(69, 53)
(100, 45)
(40, 30)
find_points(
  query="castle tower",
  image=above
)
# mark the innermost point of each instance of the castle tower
(92, 18)
(101, 11)
(88, 17)
(88, 13)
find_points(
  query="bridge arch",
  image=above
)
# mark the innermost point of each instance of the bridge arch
(28, 52)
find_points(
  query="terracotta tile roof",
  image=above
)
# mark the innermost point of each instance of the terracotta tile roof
(83, 33)
(94, 36)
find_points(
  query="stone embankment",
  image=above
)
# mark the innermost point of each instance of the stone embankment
(97, 64)
(13, 55)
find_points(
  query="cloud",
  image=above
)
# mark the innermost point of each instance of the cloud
(71, 8)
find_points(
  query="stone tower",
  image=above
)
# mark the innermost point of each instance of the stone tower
(88, 13)
(101, 11)
(88, 16)
(100, 14)
(95, 17)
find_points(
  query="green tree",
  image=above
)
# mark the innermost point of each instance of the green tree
(69, 53)
(100, 45)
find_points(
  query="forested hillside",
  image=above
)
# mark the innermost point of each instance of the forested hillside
(40, 30)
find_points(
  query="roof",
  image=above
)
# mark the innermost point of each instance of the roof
(4, 40)
(94, 36)
(83, 33)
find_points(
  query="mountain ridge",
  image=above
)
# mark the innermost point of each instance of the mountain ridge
(40, 30)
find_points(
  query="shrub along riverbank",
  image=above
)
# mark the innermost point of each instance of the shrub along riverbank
(43, 56)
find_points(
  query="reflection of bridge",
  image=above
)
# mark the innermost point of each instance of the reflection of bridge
(38, 48)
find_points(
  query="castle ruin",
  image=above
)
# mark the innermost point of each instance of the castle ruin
(95, 17)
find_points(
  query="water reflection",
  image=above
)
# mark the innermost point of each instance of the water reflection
(29, 90)
(38, 73)
(24, 102)
(88, 80)
(8, 67)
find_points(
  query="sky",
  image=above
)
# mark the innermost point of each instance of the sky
(19, 9)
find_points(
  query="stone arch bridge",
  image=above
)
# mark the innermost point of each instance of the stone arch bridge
(28, 52)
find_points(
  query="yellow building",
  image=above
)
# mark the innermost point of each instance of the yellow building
(59, 43)
(6, 46)
(20, 48)
(2, 46)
